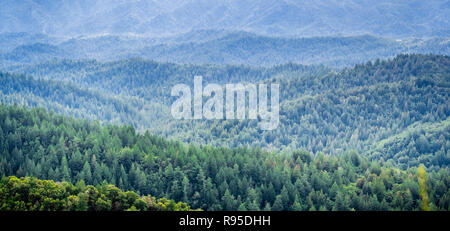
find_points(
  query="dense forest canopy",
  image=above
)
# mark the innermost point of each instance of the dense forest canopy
(393, 110)
(49, 146)
(31, 194)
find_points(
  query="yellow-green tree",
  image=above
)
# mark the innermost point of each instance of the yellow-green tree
(423, 187)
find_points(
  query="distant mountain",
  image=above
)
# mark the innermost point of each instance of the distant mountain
(9, 41)
(399, 18)
(34, 53)
(218, 47)
(251, 49)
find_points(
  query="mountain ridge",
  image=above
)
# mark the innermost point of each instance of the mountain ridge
(217, 47)
(399, 18)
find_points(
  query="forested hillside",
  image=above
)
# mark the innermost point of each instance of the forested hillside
(215, 47)
(251, 49)
(132, 91)
(49, 146)
(353, 109)
(152, 80)
(67, 99)
(363, 108)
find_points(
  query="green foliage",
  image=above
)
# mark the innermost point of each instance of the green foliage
(48, 146)
(32, 194)
(395, 111)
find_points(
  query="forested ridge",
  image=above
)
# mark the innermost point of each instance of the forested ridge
(42, 144)
(251, 49)
(214, 47)
(322, 110)
(353, 109)
(68, 99)
(277, 18)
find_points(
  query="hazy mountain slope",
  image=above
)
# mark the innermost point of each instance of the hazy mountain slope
(219, 47)
(286, 17)
(153, 80)
(9, 41)
(34, 53)
(67, 99)
(145, 85)
(238, 48)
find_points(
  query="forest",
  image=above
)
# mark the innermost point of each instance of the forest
(391, 110)
(42, 144)
(88, 106)
(31, 194)
(218, 47)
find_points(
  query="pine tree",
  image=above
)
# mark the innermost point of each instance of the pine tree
(296, 206)
(86, 174)
(65, 174)
(228, 201)
(186, 189)
(278, 204)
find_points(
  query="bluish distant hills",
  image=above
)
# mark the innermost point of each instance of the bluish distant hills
(387, 18)
(214, 47)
